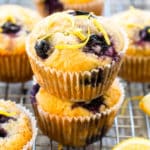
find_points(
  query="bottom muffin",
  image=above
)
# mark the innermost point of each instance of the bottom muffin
(76, 124)
(17, 127)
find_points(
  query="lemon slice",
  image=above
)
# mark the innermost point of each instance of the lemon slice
(145, 104)
(135, 143)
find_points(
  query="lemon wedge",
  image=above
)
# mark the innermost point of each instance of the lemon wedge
(135, 143)
(145, 104)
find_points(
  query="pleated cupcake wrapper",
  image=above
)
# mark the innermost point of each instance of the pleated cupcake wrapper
(77, 131)
(15, 68)
(95, 6)
(30, 143)
(67, 85)
(135, 69)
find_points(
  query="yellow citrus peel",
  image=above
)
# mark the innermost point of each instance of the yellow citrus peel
(75, 46)
(144, 104)
(11, 19)
(102, 30)
(134, 143)
(79, 34)
(132, 25)
(7, 114)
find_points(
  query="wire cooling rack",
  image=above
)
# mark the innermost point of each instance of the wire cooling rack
(132, 123)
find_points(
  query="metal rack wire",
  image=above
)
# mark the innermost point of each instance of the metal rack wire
(132, 123)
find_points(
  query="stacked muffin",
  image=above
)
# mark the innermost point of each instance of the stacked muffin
(75, 57)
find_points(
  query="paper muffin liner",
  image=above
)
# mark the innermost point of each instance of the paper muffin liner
(135, 69)
(76, 86)
(95, 6)
(30, 143)
(15, 68)
(77, 131)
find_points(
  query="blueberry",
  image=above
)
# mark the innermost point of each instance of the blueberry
(53, 6)
(3, 133)
(93, 106)
(42, 47)
(145, 34)
(34, 91)
(10, 28)
(4, 119)
(97, 45)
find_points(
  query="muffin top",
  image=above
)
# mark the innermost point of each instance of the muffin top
(15, 24)
(136, 23)
(75, 41)
(15, 127)
(76, 1)
(64, 107)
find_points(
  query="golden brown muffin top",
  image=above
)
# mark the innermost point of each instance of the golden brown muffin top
(15, 127)
(136, 23)
(16, 23)
(75, 41)
(64, 107)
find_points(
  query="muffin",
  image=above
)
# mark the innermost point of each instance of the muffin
(85, 123)
(136, 64)
(17, 127)
(76, 55)
(15, 24)
(47, 7)
(95, 6)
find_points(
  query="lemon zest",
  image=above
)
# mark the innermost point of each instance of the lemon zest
(7, 114)
(75, 46)
(1, 30)
(131, 25)
(102, 30)
(11, 19)
(148, 30)
(126, 101)
(51, 24)
(79, 34)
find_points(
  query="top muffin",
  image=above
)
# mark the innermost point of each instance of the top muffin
(136, 23)
(75, 41)
(15, 24)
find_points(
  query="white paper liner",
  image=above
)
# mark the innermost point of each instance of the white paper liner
(135, 69)
(77, 131)
(15, 68)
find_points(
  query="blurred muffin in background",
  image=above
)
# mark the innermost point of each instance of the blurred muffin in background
(15, 25)
(46, 7)
(136, 66)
